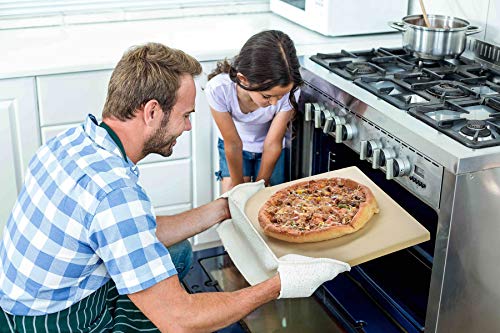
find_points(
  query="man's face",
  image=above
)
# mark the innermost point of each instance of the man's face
(164, 138)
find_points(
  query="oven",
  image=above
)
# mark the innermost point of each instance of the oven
(427, 133)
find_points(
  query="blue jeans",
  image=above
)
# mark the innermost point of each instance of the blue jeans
(182, 257)
(251, 165)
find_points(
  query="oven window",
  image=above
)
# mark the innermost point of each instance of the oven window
(275, 316)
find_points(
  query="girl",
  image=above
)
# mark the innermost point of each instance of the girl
(252, 102)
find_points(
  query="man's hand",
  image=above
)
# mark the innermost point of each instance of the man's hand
(301, 276)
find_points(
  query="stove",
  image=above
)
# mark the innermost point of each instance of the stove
(427, 133)
(407, 82)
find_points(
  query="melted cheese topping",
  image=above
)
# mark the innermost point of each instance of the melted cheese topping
(316, 205)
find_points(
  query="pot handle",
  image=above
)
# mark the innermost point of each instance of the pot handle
(397, 25)
(472, 29)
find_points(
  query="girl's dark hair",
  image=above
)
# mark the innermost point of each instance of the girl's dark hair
(268, 59)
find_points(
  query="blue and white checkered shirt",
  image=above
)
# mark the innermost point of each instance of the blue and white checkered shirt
(81, 218)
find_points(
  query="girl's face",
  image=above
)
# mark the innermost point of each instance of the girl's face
(269, 97)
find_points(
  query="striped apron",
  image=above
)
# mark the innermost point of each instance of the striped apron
(102, 311)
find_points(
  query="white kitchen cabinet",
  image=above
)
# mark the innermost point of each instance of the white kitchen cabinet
(203, 160)
(167, 183)
(68, 98)
(19, 138)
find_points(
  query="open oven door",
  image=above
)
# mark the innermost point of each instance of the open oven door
(341, 305)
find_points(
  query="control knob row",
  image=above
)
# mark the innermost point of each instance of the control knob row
(333, 123)
(395, 166)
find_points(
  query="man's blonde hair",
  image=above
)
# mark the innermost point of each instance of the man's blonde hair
(146, 72)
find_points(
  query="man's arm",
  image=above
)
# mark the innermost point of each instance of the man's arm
(172, 309)
(173, 229)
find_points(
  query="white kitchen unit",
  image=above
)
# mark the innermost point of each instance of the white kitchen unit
(19, 138)
(35, 109)
(203, 132)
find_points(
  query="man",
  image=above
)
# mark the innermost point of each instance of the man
(82, 250)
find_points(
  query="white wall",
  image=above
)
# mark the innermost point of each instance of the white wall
(493, 27)
(484, 13)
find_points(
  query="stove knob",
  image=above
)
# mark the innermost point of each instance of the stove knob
(386, 154)
(308, 112)
(318, 108)
(367, 147)
(376, 158)
(329, 122)
(339, 126)
(363, 149)
(349, 131)
(397, 167)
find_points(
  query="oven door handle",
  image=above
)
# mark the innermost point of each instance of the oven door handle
(339, 311)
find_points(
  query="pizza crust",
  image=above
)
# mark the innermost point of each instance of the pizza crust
(366, 210)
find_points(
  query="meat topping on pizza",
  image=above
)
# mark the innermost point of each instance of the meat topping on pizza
(316, 205)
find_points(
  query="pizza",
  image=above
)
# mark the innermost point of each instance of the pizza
(317, 210)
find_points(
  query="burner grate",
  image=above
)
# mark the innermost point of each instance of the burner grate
(461, 120)
(447, 90)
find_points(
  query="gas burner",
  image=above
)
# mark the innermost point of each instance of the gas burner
(360, 68)
(447, 89)
(475, 129)
(427, 63)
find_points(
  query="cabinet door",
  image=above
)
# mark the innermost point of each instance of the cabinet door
(68, 98)
(19, 138)
(167, 183)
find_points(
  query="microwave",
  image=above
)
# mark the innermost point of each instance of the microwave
(342, 17)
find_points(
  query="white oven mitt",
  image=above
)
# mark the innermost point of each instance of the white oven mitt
(301, 276)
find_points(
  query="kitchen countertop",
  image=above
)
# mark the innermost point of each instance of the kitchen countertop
(73, 48)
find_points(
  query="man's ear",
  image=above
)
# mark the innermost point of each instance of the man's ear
(242, 79)
(151, 112)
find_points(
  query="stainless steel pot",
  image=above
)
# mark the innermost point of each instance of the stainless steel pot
(446, 37)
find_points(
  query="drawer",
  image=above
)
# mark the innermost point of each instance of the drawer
(68, 98)
(167, 183)
(182, 148)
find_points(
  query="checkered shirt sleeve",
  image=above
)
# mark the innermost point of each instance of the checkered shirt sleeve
(122, 233)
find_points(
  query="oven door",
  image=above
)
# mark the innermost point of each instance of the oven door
(341, 305)
(399, 282)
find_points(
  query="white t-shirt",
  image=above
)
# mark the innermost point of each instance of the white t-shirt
(252, 127)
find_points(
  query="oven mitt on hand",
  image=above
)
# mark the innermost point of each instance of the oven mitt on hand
(252, 188)
(301, 276)
(227, 193)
